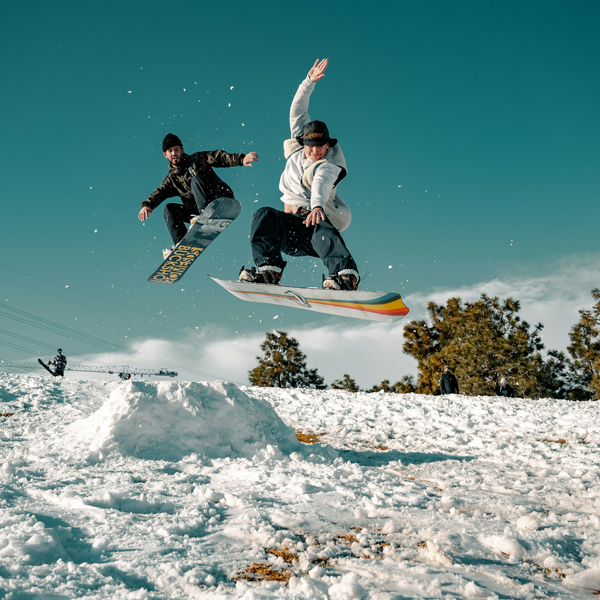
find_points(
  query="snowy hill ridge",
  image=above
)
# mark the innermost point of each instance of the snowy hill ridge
(201, 490)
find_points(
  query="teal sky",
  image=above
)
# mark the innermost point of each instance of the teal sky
(470, 129)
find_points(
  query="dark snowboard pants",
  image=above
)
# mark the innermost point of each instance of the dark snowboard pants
(274, 231)
(178, 214)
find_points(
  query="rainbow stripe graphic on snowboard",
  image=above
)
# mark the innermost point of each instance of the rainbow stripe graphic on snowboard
(386, 307)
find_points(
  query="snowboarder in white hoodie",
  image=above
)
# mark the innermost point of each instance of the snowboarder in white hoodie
(313, 215)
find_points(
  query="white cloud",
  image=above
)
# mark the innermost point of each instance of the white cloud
(371, 352)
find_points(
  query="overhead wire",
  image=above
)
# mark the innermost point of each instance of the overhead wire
(25, 338)
(47, 325)
(62, 299)
(62, 286)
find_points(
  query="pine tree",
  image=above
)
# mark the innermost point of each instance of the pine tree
(384, 386)
(346, 383)
(482, 342)
(284, 365)
(585, 353)
(406, 385)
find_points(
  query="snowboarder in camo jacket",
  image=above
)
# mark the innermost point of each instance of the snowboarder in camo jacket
(60, 364)
(192, 178)
(313, 215)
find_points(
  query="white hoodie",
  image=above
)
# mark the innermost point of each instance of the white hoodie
(307, 184)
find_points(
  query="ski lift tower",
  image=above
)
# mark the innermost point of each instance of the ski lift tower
(124, 371)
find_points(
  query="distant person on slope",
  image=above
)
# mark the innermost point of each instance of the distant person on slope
(504, 389)
(60, 364)
(313, 214)
(191, 178)
(448, 383)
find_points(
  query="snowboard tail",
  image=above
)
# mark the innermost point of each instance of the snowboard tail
(385, 307)
(215, 218)
(45, 366)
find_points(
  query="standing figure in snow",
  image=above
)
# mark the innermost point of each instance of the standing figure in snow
(448, 383)
(313, 215)
(191, 178)
(504, 389)
(60, 364)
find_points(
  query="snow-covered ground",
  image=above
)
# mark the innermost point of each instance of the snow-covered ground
(192, 490)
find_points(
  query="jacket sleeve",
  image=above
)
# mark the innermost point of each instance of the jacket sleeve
(326, 175)
(220, 158)
(456, 385)
(299, 116)
(162, 192)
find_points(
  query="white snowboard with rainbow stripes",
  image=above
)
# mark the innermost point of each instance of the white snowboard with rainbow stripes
(372, 306)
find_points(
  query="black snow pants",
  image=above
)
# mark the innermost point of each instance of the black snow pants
(178, 214)
(274, 231)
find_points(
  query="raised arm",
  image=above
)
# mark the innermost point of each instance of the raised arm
(299, 116)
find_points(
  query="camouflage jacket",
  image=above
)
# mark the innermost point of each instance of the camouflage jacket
(60, 362)
(177, 182)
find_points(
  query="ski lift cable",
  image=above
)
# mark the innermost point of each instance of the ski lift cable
(56, 330)
(9, 345)
(100, 343)
(62, 299)
(104, 365)
(90, 339)
(27, 339)
(62, 286)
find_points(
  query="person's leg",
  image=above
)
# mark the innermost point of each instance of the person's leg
(269, 236)
(331, 249)
(205, 194)
(200, 193)
(266, 237)
(175, 217)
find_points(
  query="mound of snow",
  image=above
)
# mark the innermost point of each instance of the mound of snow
(528, 522)
(588, 579)
(169, 420)
(502, 544)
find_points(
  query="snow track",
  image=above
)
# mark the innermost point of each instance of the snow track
(193, 490)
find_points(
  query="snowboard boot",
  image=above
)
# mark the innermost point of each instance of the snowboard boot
(347, 280)
(265, 274)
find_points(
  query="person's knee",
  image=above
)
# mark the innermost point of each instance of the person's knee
(327, 228)
(266, 213)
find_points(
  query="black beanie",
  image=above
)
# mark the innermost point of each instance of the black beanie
(170, 141)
